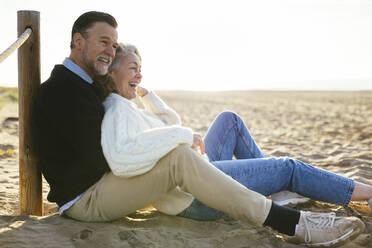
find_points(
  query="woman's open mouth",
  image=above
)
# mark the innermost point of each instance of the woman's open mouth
(133, 85)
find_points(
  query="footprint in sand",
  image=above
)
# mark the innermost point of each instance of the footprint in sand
(131, 238)
(84, 234)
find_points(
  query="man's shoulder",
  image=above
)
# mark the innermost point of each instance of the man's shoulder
(65, 90)
(61, 78)
(64, 83)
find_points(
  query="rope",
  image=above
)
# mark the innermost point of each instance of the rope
(19, 42)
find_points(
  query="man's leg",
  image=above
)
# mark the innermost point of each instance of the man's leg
(114, 197)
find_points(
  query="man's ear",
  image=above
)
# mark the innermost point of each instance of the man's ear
(78, 41)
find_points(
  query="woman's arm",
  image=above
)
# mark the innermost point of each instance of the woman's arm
(155, 105)
(130, 151)
(154, 102)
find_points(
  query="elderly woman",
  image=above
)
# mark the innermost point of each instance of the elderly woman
(153, 161)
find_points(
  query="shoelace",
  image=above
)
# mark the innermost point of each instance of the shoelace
(318, 220)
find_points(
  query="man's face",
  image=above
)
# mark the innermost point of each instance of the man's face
(98, 49)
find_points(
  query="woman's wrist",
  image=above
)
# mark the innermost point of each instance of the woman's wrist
(142, 91)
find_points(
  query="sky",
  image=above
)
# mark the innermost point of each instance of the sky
(218, 45)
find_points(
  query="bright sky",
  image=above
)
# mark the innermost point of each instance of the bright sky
(218, 45)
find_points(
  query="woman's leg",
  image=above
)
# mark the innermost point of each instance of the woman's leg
(228, 136)
(271, 175)
(362, 192)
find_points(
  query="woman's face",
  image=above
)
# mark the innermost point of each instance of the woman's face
(128, 76)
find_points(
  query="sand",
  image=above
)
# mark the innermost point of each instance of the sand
(331, 130)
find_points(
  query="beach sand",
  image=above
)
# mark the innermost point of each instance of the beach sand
(331, 130)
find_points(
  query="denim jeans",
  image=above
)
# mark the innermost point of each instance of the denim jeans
(228, 136)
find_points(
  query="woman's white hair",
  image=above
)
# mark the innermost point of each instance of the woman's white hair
(121, 52)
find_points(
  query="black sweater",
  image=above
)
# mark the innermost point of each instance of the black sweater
(67, 119)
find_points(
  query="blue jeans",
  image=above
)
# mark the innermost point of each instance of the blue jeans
(228, 136)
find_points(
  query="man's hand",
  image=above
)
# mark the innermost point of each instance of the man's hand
(197, 139)
(141, 91)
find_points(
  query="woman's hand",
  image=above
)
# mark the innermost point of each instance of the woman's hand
(141, 91)
(196, 141)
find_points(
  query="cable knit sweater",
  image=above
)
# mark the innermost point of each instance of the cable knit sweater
(133, 140)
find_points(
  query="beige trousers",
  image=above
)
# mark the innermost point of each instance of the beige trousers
(113, 197)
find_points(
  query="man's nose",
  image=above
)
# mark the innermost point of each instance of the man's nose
(110, 51)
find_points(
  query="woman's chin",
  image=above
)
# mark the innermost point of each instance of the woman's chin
(129, 96)
(132, 96)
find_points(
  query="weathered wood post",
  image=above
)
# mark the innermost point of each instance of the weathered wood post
(30, 185)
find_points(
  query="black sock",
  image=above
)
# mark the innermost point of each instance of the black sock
(283, 219)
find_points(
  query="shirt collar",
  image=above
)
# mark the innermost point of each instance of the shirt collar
(69, 64)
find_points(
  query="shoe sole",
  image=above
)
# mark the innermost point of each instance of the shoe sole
(343, 239)
(293, 201)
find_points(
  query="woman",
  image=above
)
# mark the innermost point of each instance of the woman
(135, 141)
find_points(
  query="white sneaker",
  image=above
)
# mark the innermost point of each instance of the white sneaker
(325, 229)
(284, 198)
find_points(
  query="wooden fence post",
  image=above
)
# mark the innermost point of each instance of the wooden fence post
(30, 185)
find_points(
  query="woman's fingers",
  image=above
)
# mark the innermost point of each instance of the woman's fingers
(201, 145)
(198, 142)
(141, 91)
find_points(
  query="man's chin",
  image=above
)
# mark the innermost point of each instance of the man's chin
(101, 71)
(99, 74)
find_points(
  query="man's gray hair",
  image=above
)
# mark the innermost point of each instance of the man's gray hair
(121, 52)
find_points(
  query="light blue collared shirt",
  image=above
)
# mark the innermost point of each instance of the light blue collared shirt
(69, 64)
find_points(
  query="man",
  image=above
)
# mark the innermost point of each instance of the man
(69, 111)
(67, 123)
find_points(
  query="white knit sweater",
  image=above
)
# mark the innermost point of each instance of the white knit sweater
(133, 140)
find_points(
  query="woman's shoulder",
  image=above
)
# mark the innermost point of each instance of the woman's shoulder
(116, 101)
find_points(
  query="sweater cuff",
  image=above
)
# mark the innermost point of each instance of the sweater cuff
(189, 136)
(152, 102)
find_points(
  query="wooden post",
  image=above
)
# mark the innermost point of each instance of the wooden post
(30, 185)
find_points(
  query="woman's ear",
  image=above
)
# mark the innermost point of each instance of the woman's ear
(111, 74)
